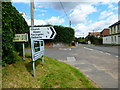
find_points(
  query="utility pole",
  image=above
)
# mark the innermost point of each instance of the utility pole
(70, 23)
(32, 25)
(93, 32)
(32, 12)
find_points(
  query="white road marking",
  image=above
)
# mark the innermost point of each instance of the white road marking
(101, 52)
(88, 48)
(108, 53)
(65, 49)
(116, 56)
(71, 59)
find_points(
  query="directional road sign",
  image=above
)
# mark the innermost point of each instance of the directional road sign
(37, 49)
(42, 32)
(21, 38)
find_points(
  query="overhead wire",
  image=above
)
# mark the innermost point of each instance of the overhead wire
(65, 12)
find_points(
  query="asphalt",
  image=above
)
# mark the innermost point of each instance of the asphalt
(100, 66)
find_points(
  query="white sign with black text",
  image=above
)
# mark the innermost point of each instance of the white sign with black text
(42, 32)
(37, 49)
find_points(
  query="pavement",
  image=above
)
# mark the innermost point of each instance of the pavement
(98, 65)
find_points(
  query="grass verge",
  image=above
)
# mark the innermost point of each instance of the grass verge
(53, 74)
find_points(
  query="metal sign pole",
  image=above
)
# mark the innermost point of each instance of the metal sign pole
(32, 25)
(42, 60)
(23, 51)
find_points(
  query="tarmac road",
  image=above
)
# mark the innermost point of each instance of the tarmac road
(98, 63)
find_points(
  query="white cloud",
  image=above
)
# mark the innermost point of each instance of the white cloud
(96, 26)
(55, 20)
(41, 15)
(36, 22)
(81, 30)
(52, 20)
(82, 1)
(79, 15)
(105, 14)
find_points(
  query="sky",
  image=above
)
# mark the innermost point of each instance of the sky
(85, 15)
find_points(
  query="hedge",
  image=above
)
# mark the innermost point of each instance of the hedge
(12, 23)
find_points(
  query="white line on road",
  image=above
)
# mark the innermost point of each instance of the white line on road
(108, 53)
(101, 52)
(88, 48)
(116, 56)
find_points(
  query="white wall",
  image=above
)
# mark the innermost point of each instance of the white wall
(107, 40)
(115, 39)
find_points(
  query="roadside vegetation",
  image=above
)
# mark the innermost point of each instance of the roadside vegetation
(18, 73)
(53, 74)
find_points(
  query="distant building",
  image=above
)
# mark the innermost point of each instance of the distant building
(105, 32)
(96, 34)
(114, 37)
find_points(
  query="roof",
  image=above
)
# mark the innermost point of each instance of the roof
(105, 32)
(94, 33)
(115, 23)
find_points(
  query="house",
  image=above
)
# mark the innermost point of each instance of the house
(105, 32)
(96, 34)
(114, 37)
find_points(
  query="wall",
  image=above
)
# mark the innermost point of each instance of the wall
(115, 39)
(107, 40)
(60, 45)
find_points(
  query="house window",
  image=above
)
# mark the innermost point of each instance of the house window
(119, 28)
(115, 39)
(112, 39)
(114, 29)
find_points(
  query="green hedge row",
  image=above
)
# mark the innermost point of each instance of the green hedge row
(63, 34)
(12, 22)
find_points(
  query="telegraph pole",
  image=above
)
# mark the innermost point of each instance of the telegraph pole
(32, 12)
(70, 23)
(32, 25)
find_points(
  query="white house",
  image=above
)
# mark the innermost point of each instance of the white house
(114, 37)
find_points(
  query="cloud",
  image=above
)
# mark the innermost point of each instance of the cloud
(52, 20)
(105, 14)
(55, 20)
(79, 15)
(81, 1)
(96, 26)
(36, 22)
(41, 15)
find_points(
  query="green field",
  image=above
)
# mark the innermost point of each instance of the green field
(53, 74)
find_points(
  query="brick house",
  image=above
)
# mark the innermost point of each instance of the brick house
(105, 32)
(96, 34)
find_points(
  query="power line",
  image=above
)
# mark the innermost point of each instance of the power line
(65, 13)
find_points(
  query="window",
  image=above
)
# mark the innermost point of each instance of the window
(115, 39)
(119, 28)
(41, 43)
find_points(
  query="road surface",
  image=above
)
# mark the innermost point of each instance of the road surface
(98, 63)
